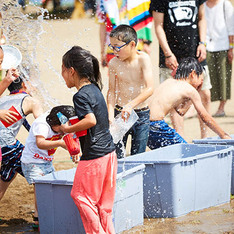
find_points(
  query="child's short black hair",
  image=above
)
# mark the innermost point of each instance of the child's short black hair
(53, 120)
(186, 66)
(16, 84)
(124, 33)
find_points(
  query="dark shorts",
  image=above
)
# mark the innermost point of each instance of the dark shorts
(11, 163)
(161, 135)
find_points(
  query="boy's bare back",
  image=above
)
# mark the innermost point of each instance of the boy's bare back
(130, 78)
(171, 94)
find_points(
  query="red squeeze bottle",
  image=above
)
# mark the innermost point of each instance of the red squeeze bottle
(74, 120)
(73, 146)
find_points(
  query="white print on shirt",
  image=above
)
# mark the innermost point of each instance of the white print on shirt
(37, 156)
(183, 13)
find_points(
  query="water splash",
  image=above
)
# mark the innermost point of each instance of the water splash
(24, 32)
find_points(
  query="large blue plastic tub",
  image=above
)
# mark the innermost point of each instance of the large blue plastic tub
(58, 213)
(182, 178)
(217, 141)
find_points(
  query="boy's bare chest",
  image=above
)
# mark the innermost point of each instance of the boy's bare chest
(129, 73)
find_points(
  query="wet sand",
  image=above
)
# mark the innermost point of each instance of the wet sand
(59, 35)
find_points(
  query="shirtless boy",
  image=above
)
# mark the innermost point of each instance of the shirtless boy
(130, 85)
(178, 94)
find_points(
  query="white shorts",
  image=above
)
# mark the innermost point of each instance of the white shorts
(34, 170)
(165, 73)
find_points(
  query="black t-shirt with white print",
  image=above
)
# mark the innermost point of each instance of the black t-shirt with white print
(180, 26)
(98, 142)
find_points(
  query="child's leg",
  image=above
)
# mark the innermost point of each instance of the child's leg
(0, 158)
(87, 192)
(35, 202)
(4, 186)
(140, 133)
(35, 215)
(10, 165)
(32, 171)
(106, 202)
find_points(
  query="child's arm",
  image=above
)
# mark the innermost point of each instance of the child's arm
(206, 117)
(32, 105)
(11, 75)
(183, 108)
(147, 91)
(111, 96)
(87, 122)
(44, 144)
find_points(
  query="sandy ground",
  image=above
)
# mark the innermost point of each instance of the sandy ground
(59, 35)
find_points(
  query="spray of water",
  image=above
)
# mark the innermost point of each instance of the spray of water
(24, 32)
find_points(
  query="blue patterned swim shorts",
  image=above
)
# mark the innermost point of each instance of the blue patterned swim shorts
(11, 163)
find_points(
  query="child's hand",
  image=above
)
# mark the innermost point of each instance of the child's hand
(12, 74)
(64, 127)
(226, 136)
(76, 158)
(8, 116)
(126, 112)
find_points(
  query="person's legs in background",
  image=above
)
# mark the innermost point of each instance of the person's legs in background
(220, 79)
(22, 3)
(205, 97)
(4, 186)
(10, 165)
(90, 7)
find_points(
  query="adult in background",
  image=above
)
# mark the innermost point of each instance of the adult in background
(180, 27)
(220, 43)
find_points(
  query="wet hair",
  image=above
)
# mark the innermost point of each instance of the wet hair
(124, 33)
(84, 63)
(16, 84)
(186, 66)
(53, 120)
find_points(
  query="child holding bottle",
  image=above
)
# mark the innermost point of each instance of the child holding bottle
(94, 184)
(45, 136)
